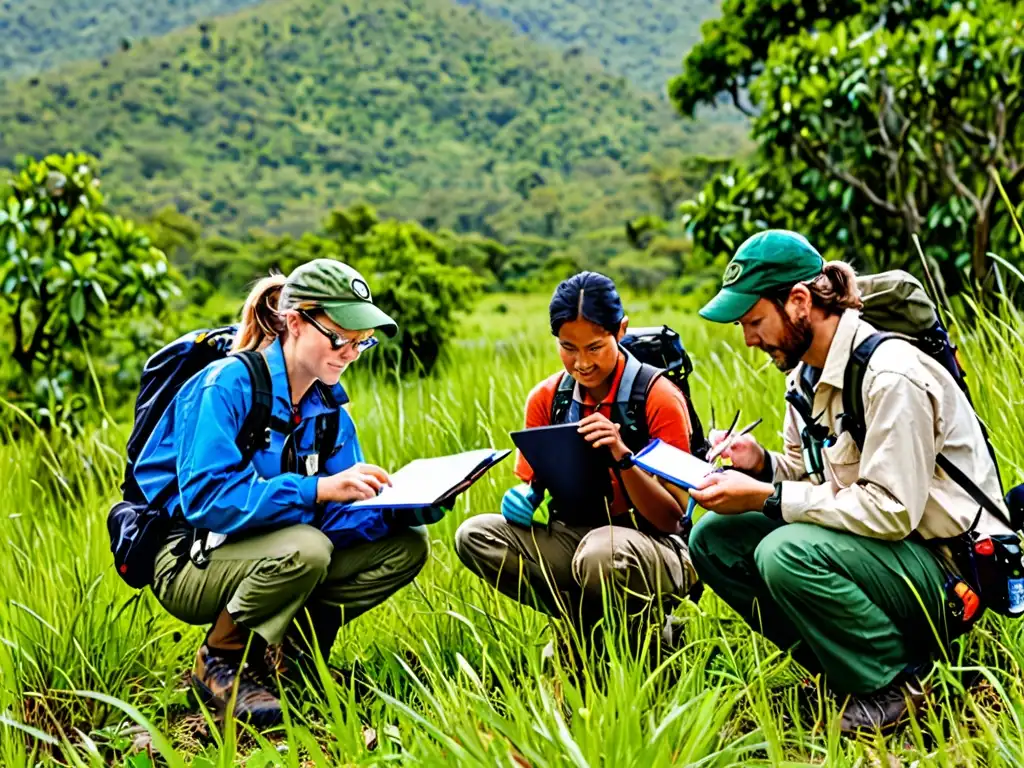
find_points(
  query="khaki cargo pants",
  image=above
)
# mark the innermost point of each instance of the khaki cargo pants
(265, 580)
(567, 569)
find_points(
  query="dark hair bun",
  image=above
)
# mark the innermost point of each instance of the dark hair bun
(588, 295)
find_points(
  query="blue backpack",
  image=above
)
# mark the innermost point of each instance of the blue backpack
(138, 528)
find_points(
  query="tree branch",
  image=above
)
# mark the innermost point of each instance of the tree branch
(735, 94)
(39, 333)
(979, 137)
(19, 335)
(1017, 177)
(949, 167)
(823, 162)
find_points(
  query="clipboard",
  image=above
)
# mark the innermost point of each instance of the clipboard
(429, 482)
(574, 472)
(673, 465)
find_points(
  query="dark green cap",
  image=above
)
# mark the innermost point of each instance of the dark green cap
(765, 264)
(338, 290)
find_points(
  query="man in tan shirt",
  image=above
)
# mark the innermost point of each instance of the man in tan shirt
(835, 561)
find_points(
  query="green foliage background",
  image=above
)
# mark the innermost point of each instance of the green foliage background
(40, 34)
(642, 40)
(276, 115)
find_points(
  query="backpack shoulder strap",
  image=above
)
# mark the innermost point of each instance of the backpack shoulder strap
(853, 384)
(853, 420)
(254, 433)
(561, 404)
(327, 426)
(981, 498)
(630, 410)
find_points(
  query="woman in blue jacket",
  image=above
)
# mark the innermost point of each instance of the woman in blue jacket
(283, 545)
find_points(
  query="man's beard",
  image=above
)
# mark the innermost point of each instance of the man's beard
(796, 340)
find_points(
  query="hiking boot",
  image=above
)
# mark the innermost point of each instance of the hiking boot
(295, 659)
(214, 679)
(883, 709)
(314, 629)
(220, 669)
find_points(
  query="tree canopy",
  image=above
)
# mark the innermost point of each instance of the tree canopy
(876, 121)
(642, 40)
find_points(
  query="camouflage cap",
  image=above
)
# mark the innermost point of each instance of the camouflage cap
(339, 291)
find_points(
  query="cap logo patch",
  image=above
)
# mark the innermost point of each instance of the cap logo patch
(361, 289)
(732, 273)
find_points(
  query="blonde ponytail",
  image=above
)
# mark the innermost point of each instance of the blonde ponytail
(260, 319)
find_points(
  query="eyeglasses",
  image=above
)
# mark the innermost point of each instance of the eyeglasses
(339, 342)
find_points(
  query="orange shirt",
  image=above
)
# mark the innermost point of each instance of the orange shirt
(668, 419)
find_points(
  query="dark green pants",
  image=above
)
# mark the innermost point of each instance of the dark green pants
(859, 610)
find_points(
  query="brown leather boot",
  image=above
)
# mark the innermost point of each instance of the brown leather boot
(220, 669)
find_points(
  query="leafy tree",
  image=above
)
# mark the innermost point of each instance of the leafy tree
(876, 121)
(420, 278)
(67, 266)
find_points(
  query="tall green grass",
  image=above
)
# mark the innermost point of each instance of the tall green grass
(460, 675)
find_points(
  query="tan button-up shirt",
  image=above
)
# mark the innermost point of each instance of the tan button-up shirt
(913, 411)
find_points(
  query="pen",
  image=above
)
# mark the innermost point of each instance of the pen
(723, 446)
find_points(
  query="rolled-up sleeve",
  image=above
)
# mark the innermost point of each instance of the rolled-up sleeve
(218, 491)
(896, 466)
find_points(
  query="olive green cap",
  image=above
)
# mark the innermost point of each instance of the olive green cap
(764, 265)
(339, 291)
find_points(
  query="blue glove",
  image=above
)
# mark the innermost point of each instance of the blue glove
(523, 506)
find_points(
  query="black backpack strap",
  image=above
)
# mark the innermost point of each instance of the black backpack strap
(853, 420)
(255, 431)
(327, 426)
(561, 404)
(959, 477)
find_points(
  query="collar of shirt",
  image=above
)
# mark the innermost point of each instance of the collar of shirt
(838, 356)
(850, 331)
(318, 399)
(587, 401)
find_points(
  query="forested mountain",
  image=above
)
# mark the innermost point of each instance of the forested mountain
(40, 34)
(644, 40)
(275, 115)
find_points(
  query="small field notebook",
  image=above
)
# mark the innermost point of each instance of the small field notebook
(428, 482)
(676, 466)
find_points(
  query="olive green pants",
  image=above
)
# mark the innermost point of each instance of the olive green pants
(565, 569)
(265, 580)
(860, 610)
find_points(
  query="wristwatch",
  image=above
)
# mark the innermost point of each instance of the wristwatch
(772, 508)
(626, 462)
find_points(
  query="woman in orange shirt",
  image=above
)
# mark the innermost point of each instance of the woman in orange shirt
(632, 544)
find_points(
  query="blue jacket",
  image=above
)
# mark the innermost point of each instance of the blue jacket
(195, 438)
